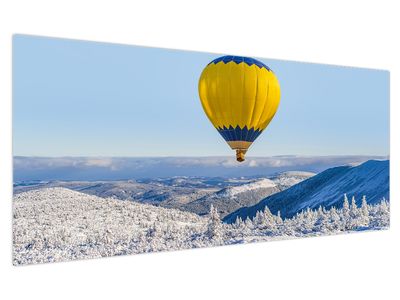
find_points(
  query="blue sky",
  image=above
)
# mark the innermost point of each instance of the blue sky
(77, 98)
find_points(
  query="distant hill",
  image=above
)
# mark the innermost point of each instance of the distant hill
(232, 198)
(327, 189)
(170, 192)
(194, 194)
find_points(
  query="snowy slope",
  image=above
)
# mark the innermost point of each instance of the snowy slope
(232, 198)
(327, 188)
(260, 184)
(57, 224)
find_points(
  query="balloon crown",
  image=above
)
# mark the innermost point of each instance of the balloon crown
(240, 59)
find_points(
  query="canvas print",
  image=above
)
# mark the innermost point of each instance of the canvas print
(122, 149)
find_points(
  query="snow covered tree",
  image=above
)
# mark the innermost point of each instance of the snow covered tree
(239, 224)
(258, 220)
(278, 218)
(334, 219)
(380, 215)
(308, 221)
(322, 222)
(214, 230)
(353, 208)
(345, 214)
(288, 227)
(248, 222)
(346, 206)
(364, 212)
(320, 211)
(267, 213)
(354, 214)
(269, 221)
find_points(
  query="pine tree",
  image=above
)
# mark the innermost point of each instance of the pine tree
(248, 226)
(364, 212)
(309, 221)
(287, 228)
(322, 222)
(238, 223)
(325, 223)
(249, 222)
(345, 214)
(267, 213)
(353, 208)
(258, 220)
(346, 206)
(381, 215)
(320, 211)
(269, 221)
(278, 218)
(334, 219)
(214, 230)
(354, 214)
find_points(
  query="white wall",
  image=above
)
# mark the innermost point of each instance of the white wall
(356, 266)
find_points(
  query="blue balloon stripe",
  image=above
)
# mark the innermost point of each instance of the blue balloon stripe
(239, 134)
(231, 133)
(240, 59)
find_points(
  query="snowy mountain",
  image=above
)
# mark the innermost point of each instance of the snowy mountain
(247, 194)
(327, 189)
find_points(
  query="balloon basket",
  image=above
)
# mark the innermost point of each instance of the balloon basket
(240, 155)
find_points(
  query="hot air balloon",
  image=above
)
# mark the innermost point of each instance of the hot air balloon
(240, 96)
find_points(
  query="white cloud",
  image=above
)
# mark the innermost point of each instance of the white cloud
(99, 162)
(253, 163)
(26, 168)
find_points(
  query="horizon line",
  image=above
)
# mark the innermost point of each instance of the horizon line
(202, 156)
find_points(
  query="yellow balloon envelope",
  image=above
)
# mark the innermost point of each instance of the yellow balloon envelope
(240, 96)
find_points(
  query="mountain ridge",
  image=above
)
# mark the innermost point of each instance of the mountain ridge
(327, 189)
(232, 198)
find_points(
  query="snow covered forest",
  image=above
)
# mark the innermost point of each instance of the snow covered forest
(58, 224)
